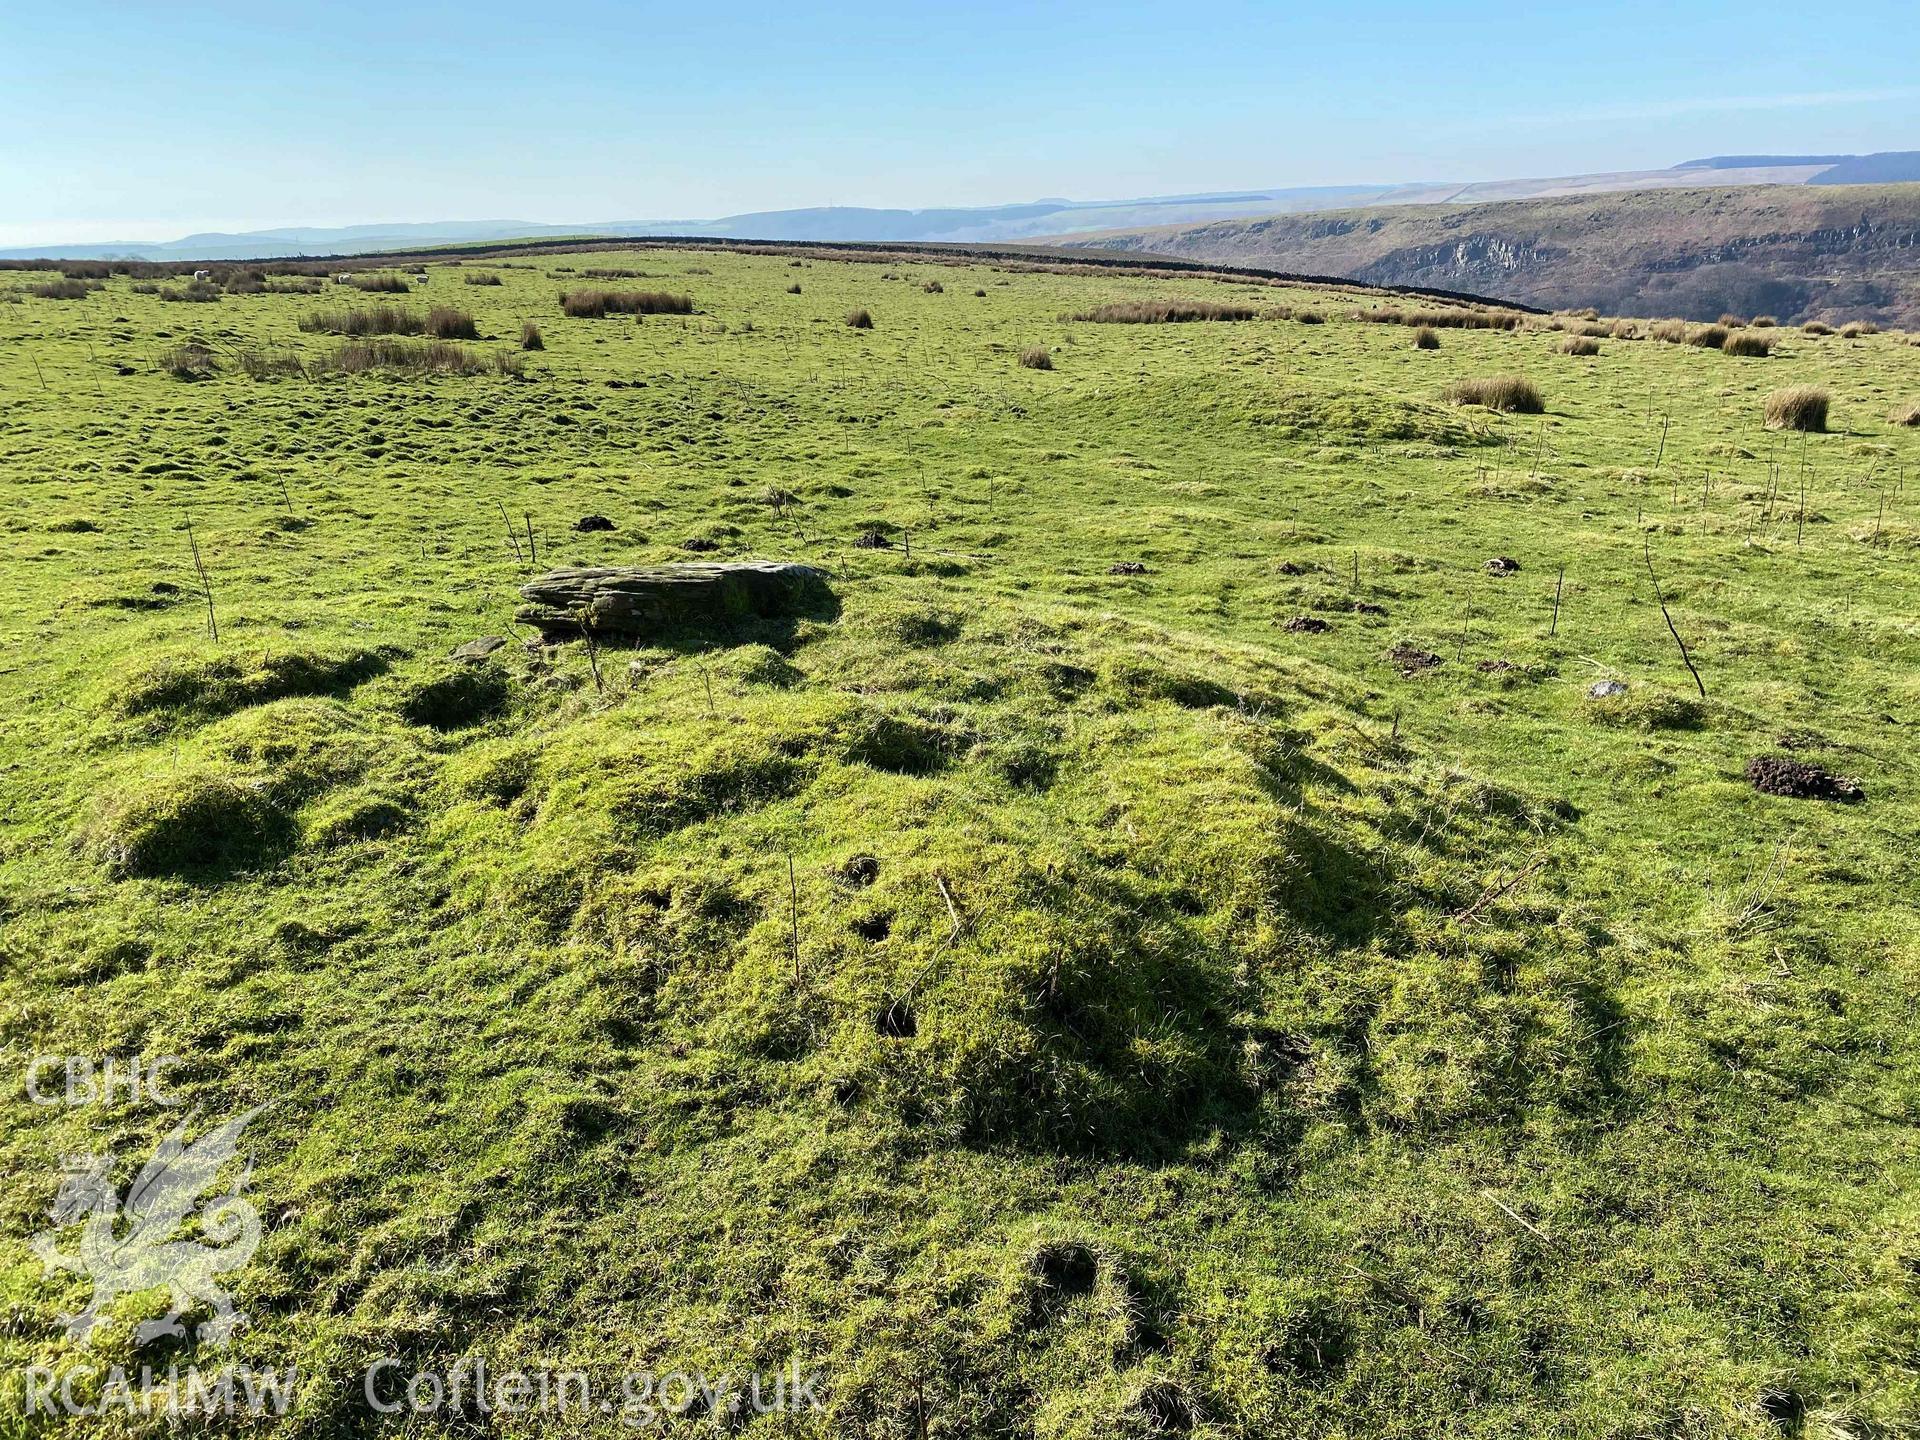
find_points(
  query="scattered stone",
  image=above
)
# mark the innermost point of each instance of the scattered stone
(1411, 659)
(1367, 607)
(700, 545)
(1307, 625)
(588, 523)
(872, 540)
(1128, 567)
(644, 600)
(476, 650)
(1796, 779)
(1287, 567)
(1503, 565)
(1605, 689)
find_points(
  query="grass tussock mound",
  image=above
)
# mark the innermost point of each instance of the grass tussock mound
(1746, 343)
(1583, 345)
(481, 277)
(191, 361)
(188, 823)
(1816, 327)
(1037, 357)
(1910, 415)
(1854, 329)
(1452, 318)
(69, 289)
(1798, 407)
(1513, 394)
(194, 292)
(1426, 338)
(187, 685)
(446, 323)
(435, 357)
(381, 284)
(1162, 312)
(860, 319)
(597, 304)
(531, 338)
(375, 320)
(1708, 337)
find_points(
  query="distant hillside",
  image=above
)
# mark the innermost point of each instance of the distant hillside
(987, 224)
(1797, 252)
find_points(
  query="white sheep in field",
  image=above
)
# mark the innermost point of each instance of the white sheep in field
(203, 274)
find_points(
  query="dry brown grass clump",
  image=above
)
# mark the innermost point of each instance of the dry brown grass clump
(194, 292)
(191, 361)
(1816, 327)
(1798, 407)
(1708, 337)
(1624, 330)
(1854, 329)
(1748, 344)
(1426, 338)
(1512, 393)
(934, 287)
(446, 323)
(793, 289)
(478, 277)
(435, 357)
(1733, 322)
(62, 290)
(1673, 332)
(531, 338)
(381, 284)
(1162, 312)
(861, 319)
(1037, 357)
(1908, 416)
(1764, 322)
(1579, 345)
(1449, 319)
(596, 304)
(380, 320)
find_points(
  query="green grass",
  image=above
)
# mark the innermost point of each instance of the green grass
(1245, 1027)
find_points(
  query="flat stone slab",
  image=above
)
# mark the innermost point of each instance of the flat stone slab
(643, 600)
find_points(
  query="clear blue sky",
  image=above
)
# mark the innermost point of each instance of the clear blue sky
(147, 120)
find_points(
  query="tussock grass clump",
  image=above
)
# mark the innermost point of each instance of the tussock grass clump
(1452, 318)
(1708, 337)
(194, 292)
(86, 270)
(1514, 394)
(1162, 312)
(1733, 322)
(271, 364)
(1854, 329)
(69, 289)
(1798, 407)
(597, 304)
(382, 284)
(794, 289)
(435, 357)
(1816, 327)
(1748, 344)
(1671, 332)
(481, 277)
(379, 320)
(191, 361)
(1037, 357)
(192, 686)
(1624, 330)
(1579, 345)
(602, 273)
(860, 319)
(531, 338)
(446, 323)
(1426, 338)
(1909, 416)
(455, 696)
(934, 287)
(1764, 322)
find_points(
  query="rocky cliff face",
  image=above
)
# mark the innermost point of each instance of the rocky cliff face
(1827, 253)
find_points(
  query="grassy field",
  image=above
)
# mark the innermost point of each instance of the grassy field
(1256, 992)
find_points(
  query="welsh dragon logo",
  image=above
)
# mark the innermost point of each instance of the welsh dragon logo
(131, 1246)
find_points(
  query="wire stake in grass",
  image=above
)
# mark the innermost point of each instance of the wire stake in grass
(206, 585)
(1558, 584)
(793, 917)
(1662, 599)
